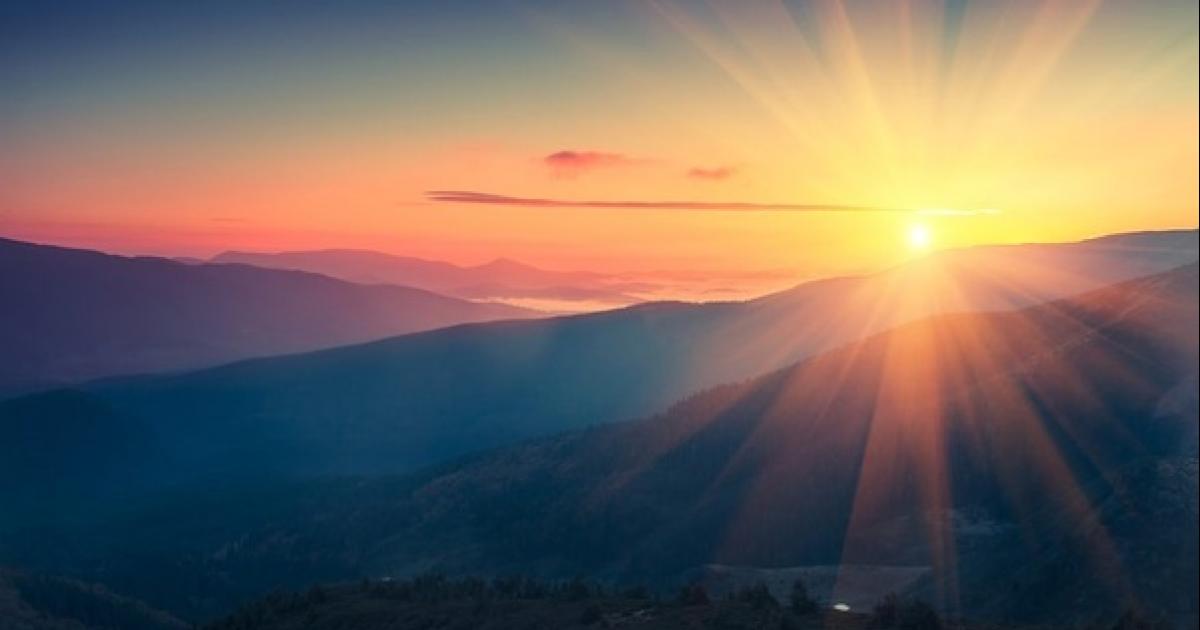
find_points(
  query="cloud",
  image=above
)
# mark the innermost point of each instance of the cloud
(474, 197)
(571, 163)
(712, 174)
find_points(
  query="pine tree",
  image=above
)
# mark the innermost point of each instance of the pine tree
(801, 602)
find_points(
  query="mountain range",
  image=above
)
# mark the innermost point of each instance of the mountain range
(404, 402)
(1060, 437)
(74, 315)
(1051, 450)
(1018, 415)
(500, 279)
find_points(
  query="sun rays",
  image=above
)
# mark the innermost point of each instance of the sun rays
(937, 106)
(940, 417)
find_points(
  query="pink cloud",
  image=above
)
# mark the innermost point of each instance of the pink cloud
(570, 163)
(712, 174)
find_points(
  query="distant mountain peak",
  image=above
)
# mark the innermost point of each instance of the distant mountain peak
(503, 263)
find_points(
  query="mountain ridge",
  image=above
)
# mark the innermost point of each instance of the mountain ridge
(399, 403)
(498, 279)
(74, 315)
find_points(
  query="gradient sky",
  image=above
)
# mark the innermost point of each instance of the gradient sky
(801, 135)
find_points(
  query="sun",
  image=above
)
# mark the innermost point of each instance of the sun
(919, 237)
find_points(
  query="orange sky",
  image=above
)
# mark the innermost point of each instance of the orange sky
(984, 122)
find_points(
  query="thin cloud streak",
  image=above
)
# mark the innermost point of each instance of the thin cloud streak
(474, 197)
(712, 174)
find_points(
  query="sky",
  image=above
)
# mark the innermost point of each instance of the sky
(817, 137)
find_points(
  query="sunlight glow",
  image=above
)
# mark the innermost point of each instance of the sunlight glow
(919, 237)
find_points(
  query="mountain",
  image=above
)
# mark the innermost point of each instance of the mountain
(404, 402)
(360, 266)
(398, 404)
(72, 315)
(39, 602)
(501, 279)
(1035, 465)
(998, 446)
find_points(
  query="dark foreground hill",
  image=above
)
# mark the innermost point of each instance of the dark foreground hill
(39, 602)
(72, 315)
(432, 601)
(1034, 464)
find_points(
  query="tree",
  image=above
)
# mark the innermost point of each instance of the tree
(577, 589)
(917, 615)
(758, 596)
(315, 595)
(636, 592)
(894, 613)
(801, 602)
(1134, 619)
(693, 595)
(590, 615)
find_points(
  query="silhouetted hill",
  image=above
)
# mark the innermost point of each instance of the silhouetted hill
(39, 602)
(993, 449)
(71, 315)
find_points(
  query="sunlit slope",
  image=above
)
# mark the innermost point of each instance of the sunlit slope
(965, 280)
